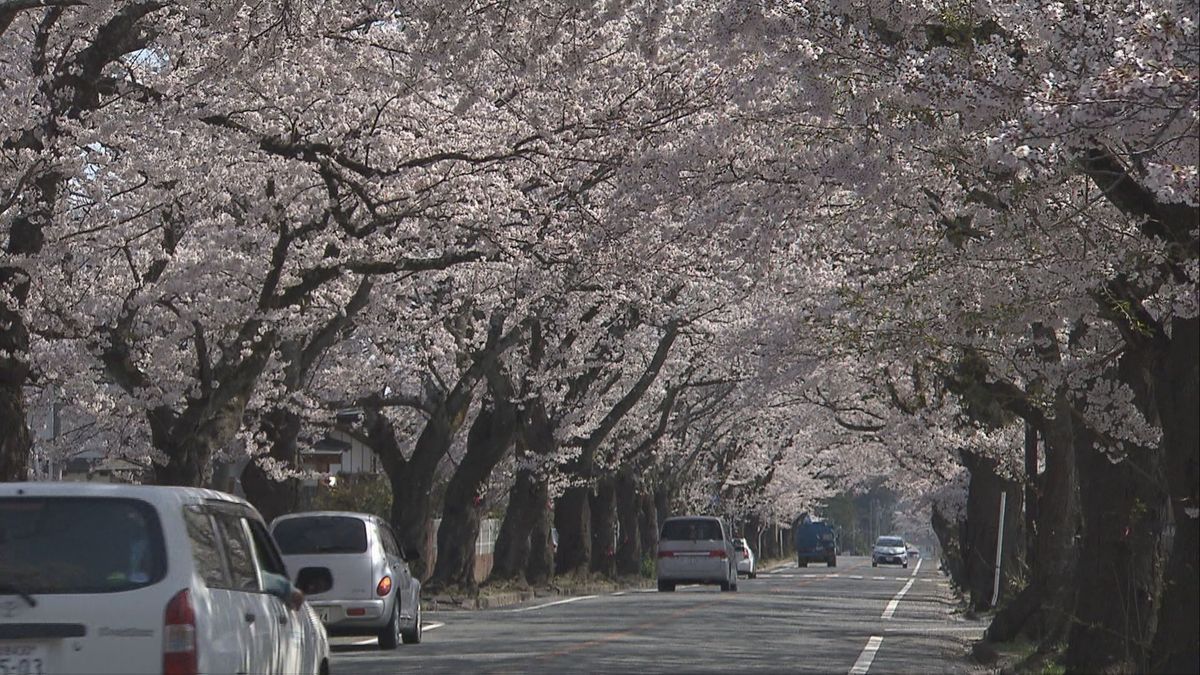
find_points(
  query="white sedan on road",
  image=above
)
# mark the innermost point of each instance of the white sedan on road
(746, 562)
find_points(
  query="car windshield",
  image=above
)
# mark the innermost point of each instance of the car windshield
(691, 529)
(890, 542)
(79, 545)
(321, 534)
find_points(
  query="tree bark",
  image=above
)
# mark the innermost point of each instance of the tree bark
(979, 542)
(648, 523)
(488, 440)
(573, 518)
(1120, 560)
(629, 547)
(273, 497)
(949, 534)
(539, 569)
(513, 542)
(1177, 382)
(604, 532)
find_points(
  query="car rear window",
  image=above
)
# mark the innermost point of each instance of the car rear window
(79, 544)
(691, 529)
(890, 541)
(321, 534)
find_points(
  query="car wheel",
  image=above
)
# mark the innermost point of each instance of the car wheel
(389, 635)
(832, 562)
(413, 637)
(754, 575)
(905, 565)
(666, 587)
(874, 564)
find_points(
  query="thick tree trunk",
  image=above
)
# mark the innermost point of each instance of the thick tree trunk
(513, 542)
(753, 536)
(573, 518)
(1042, 611)
(948, 531)
(540, 567)
(488, 440)
(1057, 549)
(272, 497)
(25, 237)
(982, 528)
(15, 440)
(1175, 648)
(629, 546)
(604, 531)
(1120, 560)
(648, 523)
(412, 488)
(1031, 494)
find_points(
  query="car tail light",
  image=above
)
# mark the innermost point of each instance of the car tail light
(384, 587)
(666, 554)
(718, 553)
(356, 611)
(179, 636)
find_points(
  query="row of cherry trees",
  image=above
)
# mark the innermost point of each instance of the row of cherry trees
(612, 261)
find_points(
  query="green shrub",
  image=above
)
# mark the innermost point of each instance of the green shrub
(365, 494)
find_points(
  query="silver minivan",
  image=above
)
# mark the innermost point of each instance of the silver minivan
(373, 590)
(696, 550)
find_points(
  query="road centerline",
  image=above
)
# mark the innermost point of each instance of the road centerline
(863, 664)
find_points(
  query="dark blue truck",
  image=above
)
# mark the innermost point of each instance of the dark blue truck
(815, 542)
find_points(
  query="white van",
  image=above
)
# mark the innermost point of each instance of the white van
(373, 591)
(696, 550)
(103, 578)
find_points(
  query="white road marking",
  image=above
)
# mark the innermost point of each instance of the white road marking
(863, 664)
(551, 604)
(856, 576)
(433, 625)
(879, 578)
(891, 606)
(938, 629)
(917, 568)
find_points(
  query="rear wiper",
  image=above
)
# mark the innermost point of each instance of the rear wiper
(9, 588)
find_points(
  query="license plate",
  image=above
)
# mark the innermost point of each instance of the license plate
(23, 658)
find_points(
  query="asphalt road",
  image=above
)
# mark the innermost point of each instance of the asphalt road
(848, 619)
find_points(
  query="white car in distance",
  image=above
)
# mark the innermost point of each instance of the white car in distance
(889, 550)
(746, 562)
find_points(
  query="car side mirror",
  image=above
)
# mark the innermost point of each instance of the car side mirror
(314, 580)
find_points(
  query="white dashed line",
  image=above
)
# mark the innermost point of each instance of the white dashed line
(551, 604)
(890, 611)
(863, 664)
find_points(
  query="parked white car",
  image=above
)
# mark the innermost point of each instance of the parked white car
(103, 578)
(373, 591)
(746, 562)
(889, 550)
(696, 550)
